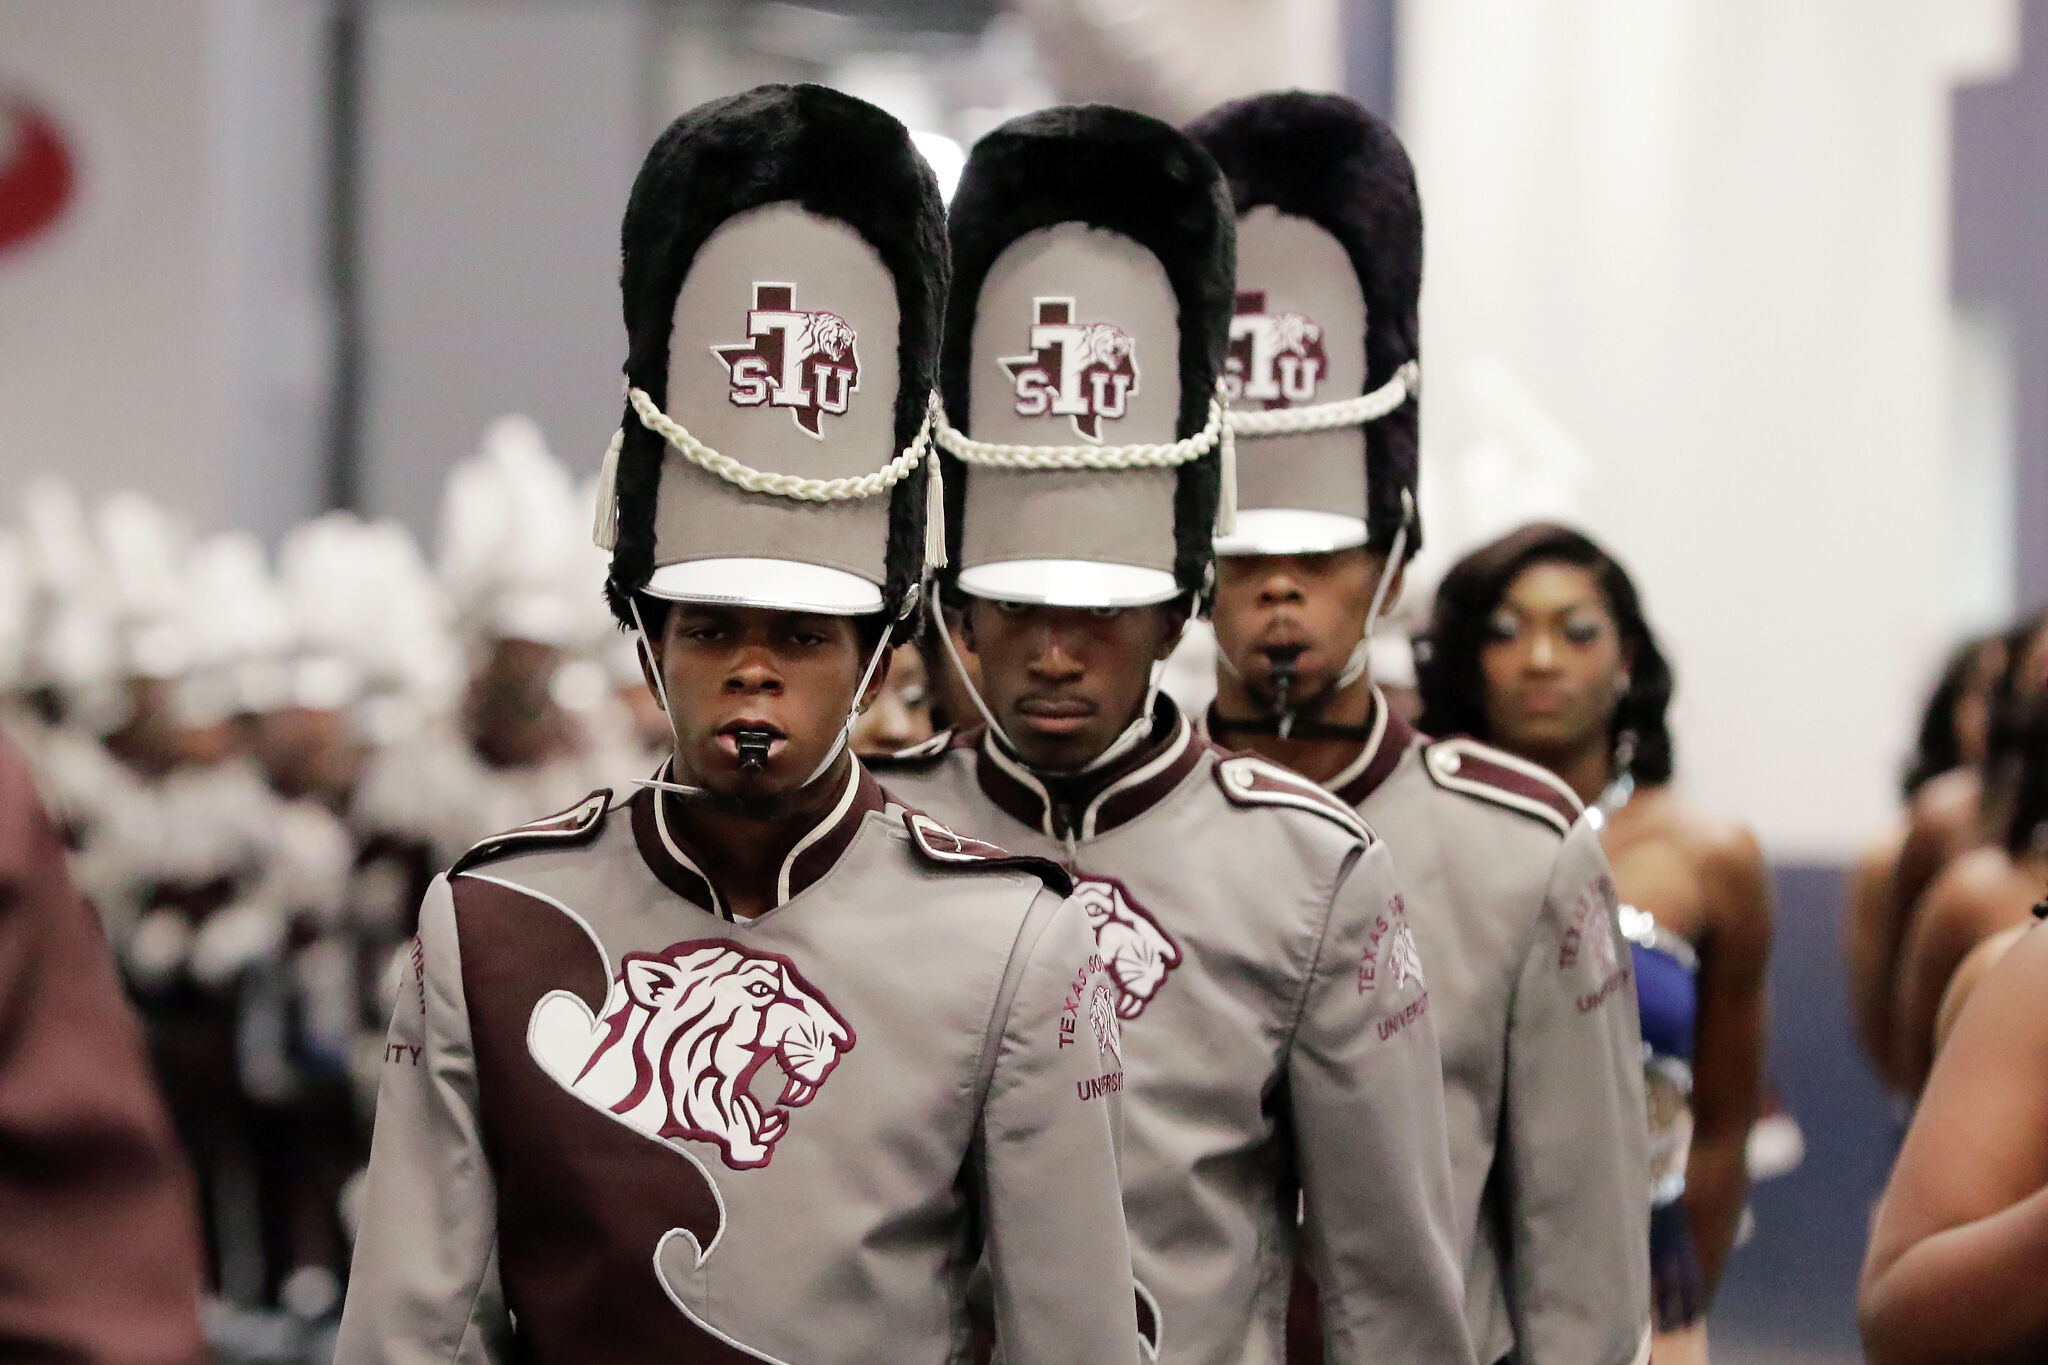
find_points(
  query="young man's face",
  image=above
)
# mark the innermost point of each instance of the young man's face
(1064, 682)
(1310, 608)
(789, 674)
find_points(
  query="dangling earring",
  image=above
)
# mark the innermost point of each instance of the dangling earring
(1624, 752)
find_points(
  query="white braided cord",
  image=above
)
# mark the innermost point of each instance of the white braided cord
(779, 485)
(997, 455)
(1346, 412)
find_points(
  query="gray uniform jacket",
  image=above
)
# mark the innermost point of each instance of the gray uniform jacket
(1277, 1030)
(624, 1126)
(1530, 981)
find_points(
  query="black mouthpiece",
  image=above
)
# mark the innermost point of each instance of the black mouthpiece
(753, 747)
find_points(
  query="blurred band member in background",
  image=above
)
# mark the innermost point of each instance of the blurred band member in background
(99, 1245)
(1538, 644)
(1978, 896)
(1956, 1254)
(901, 713)
(1953, 736)
(1504, 882)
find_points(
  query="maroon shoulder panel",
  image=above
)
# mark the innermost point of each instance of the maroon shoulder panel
(565, 829)
(1251, 781)
(583, 1200)
(1470, 767)
(938, 844)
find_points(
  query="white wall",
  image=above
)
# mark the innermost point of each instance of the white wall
(110, 340)
(501, 138)
(1699, 247)
(168, 333)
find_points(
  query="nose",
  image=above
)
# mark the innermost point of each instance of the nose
(1055, 660)
(1279, 589)
(1542, 652)
(752, 672)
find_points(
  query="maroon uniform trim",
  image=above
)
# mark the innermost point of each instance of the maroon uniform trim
(1391, 737)
(565, 829)
(1088, 805)
(667, 853)
(1473, 769)
(939, 844)
(1252, 781)
(583, 1200)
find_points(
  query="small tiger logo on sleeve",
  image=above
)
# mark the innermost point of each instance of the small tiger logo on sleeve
(1391, 950)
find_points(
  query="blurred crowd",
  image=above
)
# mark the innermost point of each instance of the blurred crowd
(257, 766)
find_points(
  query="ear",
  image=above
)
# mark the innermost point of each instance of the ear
(643, 650)
(966, 610)
(651, 982)
(879, 681)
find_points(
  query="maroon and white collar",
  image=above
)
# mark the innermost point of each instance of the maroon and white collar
(1084, 806)
(1388, 738)
(668, 856)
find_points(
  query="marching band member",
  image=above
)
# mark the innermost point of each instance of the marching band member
(1504, 881)
(753, 1063)
(1279, 1036)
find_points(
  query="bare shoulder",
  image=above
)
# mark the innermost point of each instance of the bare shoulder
(1944, 810)
(1969, 976)
(1721, 848)
(1980, 886)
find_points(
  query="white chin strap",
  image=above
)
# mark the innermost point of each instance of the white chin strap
(661, 695)
(1133, 734)
(853, 713)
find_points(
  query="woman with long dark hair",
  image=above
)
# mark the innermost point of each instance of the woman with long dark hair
(1940, 786)
(1538, 644)
(1978, 896)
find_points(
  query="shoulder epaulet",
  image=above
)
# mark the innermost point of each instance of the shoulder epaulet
(566, 829)
(918, 756)
(1479, 770)
(941, 845)
(1249, 780)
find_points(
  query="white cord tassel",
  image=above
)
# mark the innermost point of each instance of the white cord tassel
(1226, 488)
(606, 531)
(934, 517)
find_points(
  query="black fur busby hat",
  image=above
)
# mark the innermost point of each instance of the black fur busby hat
(1090, 308)
(1329, 270)
(784, 273)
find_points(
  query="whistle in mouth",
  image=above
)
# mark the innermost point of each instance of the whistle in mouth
(753, 749)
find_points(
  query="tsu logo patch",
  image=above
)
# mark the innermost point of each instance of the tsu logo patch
(683, 1033)
(1085, 371)
(1138, 952)
(806, 362)
(1274, 358)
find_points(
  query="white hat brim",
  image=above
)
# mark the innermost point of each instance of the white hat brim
(1292, 531)
(769, 584)
(1069, 583)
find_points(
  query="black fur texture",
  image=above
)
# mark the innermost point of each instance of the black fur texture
(1326, 159)
(1129, 174)
(837, 157)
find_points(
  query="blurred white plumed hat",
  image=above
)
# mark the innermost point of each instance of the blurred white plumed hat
(513, 553)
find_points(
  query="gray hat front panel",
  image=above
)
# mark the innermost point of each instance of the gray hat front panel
(1298, 337)
(1054, 298)
(769, 281)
